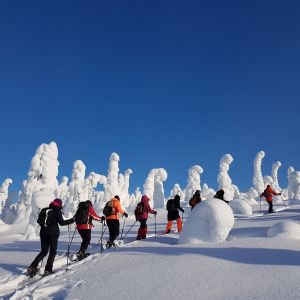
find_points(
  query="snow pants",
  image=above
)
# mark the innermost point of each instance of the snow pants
(142, 230)
(86, 239)
(270, 206)
(114, 229)
(47, 241)
(170, 223)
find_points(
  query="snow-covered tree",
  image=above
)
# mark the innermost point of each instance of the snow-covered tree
(258, 182)
(224, 179)
(4, 193)
(193, 182)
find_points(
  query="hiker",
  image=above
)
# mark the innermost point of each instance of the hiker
(141, 214)
(220, 195)
(195, 199)
(112, 219)
(49, 219)
(173, 205)
(268, 194)
(84, 216)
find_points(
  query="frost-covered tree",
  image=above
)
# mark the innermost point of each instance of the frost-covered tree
(274, 175)
(290, 182)
(176, 190)
(193, 182)
(207, 192)
(258, 182)
(161, 176)
(124, 181)
(224, 179)
(4, 193)
(42, 174)
(62, 192)
(148, 187)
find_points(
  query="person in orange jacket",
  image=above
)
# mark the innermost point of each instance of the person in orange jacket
(268, 194)
(113, 222)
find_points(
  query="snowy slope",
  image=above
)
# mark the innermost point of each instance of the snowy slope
(248, 265)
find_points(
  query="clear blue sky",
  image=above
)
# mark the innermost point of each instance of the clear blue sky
(162, 83)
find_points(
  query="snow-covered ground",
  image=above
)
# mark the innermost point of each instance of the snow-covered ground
(248, 265)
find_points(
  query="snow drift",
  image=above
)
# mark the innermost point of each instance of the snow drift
(209, 221)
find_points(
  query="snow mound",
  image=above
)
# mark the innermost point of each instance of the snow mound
(210, 221)
(286, 229)
(241, 207)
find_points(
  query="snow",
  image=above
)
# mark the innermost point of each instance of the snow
(247, 265)
(286, 229)
(241, 207)
(218, 255)
(209, 221)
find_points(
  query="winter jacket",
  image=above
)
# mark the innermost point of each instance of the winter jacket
(174, 214)
(52, 228)
(268, 193)
(91, 216)
(147, 209)
(118, 210)
(195, 200)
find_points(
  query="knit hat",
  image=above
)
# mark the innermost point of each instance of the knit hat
(57, 202)
(117, 197)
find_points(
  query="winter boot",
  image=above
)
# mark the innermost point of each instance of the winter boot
(144, 233)
(139, 235)
(80, 255)
(48, 272)
(32, 271)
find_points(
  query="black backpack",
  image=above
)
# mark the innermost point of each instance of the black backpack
(82, 213)
(46, 217)
(139, 210)
(109, 209)
(171, 205)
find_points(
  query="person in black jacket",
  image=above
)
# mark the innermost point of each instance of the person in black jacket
(49, 234)
(173, 205)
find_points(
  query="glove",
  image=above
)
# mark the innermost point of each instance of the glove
(125, 214)
(155, 213)
(102, 218)
(183, 211)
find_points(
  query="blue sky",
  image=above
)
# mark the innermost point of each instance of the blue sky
(162, 83)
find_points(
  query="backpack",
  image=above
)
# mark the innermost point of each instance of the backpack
(139, 210)
(82, 213)
(171, 205)
(46, 217)
(109, 209)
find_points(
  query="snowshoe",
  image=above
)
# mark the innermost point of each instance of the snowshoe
(46, 273)
(31, 272)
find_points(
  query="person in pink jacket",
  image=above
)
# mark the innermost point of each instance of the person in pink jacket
(141, 213)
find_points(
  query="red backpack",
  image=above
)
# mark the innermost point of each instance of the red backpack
(139, 210)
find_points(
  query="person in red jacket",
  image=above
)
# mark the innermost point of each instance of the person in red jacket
(268, 194)
(142, 218)
(85, 230)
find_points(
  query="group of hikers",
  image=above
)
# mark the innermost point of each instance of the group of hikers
(50, 217)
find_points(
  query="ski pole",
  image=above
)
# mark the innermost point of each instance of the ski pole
(260, 205)
(129, 230)
(155, 226)
(123, 229)
(69, 246)
(101, 236)
(182, 217)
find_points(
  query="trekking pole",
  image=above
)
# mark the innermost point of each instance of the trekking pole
(128, 230)
(123, 229)
(155, 226)
(68, 251)
(101, 236)
(182, 216)
(260, 205)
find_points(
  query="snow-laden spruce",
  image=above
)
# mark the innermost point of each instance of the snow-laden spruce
(224, 179)
(285, 229)
(193, 182)
(209, 221)
(258, 182)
